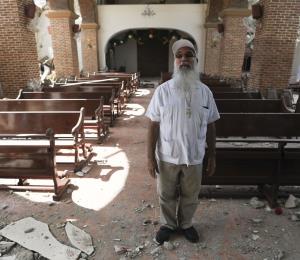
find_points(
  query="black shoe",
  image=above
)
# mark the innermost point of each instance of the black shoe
(191, 234)
(163, 234)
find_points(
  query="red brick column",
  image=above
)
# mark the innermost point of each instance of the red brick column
(18, 52)
(233, 42)
(212, 50)
(89, 46)
(63, 42)
(274, 44)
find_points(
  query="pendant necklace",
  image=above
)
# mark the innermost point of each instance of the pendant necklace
(188, 101)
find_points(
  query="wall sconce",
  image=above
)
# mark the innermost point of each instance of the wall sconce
(257, 11)
(220, 27)
(29, 10)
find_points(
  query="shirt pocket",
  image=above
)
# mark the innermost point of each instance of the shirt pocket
(202, 113)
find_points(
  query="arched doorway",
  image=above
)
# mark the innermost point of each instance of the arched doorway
(143, 50)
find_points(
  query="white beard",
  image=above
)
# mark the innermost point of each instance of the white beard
(185, 78)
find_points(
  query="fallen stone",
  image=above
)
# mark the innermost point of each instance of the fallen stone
(295, 217)
(86, 169)
(25, 255)
(35, 240)
(6, 246)
(168, 245)
(120, 249)
(11, 257)
(255, 237)
(79, 173)
(291, 202)
(79, 238)
(256, 220)
(256, 203)
(280, 255)
(147, 222)
(156, 251)
(3, 206)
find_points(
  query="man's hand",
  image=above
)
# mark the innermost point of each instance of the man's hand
(211, 165)
(152, 167)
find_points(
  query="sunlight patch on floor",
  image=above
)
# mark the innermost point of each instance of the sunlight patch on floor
(110, 178)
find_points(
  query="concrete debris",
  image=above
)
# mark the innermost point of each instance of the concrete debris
(280, 255)
(268, 209)
(120, 249)
(3, 206)
(212, 200)
(79, 173)
(25, 255)
(255, 237)
(117, 239)
(255, 231)
(168, 245)
(218, 187)
(136, 252)
(256, 220)
(2, 225)
(295, 217)
(147, 222)
(292, 202)
(6, 246)
(156, 251)
(11, 257)
(86, 169)
(39, 240)
(256, 203)
(79, 238)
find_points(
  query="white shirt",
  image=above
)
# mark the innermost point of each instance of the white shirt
(182, 135)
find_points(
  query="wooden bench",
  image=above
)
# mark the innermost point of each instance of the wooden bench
(252, 106)
(108, 107)
(257, 149)
(67, 126)
(93, 109)
(119, 95)
(237, 95)
(32, 157)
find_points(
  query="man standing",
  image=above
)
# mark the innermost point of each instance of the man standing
(182, 112)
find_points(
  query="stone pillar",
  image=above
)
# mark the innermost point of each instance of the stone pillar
(63, 42)
(89, 46)
(18, 52)
(274, 44)
(233, 42)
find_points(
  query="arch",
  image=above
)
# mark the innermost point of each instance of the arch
(188, 18)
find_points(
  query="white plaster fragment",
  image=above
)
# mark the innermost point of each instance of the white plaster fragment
(39, 240)
(79, 238)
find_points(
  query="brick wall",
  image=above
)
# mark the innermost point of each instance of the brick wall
(274, 44)
(18, 53)
(63, 42)
(212, 50)
(233, 42)
(89, 47)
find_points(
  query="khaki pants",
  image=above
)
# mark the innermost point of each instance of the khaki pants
(178, 189)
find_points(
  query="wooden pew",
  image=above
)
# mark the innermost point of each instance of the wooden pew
(109, 107)
(237, 95)
(252, 106)
(257, 149)
(119, 95)
(32, 157)
(93, 109)
(66, 125)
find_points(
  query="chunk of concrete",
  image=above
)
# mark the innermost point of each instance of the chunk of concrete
(256, 203)
(79, 238)
(292, 202)
(39, 240)
(6, 246)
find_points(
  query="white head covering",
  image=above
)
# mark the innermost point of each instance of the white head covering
(182, 43)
